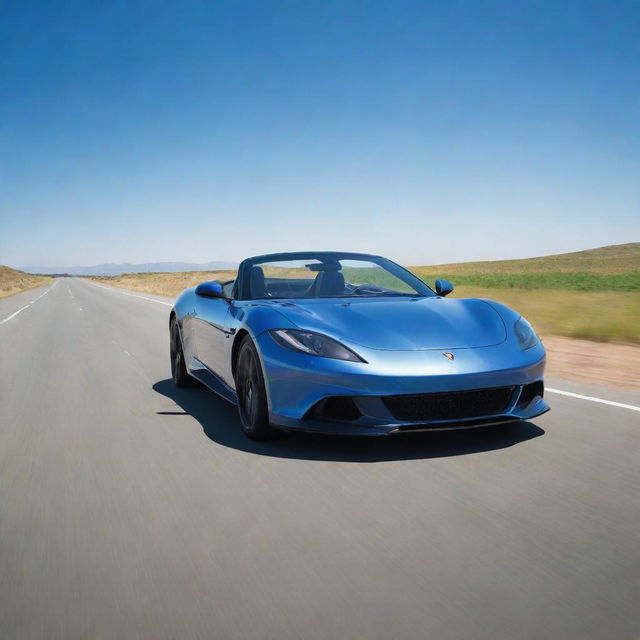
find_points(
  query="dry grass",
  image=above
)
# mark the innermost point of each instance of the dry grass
(164, 284)
(592, 294)
(13, 281)
(595, 315)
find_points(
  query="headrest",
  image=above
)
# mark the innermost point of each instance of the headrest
(257, 283)
(329, 283)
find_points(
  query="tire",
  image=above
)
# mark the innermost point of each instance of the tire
(181, 377)
(252, 394)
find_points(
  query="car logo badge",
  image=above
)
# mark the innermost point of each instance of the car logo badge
(446, 354)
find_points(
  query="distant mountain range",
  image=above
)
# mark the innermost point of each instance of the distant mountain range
(112, 269)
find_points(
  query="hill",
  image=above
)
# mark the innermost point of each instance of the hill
(592, 294)
(613, 268)
(14, 281)
(610, 260)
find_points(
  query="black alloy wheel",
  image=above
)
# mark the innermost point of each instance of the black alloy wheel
(252, 395)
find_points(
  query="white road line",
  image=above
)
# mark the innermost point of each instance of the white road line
(620, 405)
(26, 306)
(133, 295)
(168, 304)
(15, 313)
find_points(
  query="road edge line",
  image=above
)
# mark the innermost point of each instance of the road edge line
(26, 306)
(133, 295)
(611, 403)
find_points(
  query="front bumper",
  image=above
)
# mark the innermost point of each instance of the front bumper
(297, 384)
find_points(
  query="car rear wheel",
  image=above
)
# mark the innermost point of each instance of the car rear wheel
(181, 377)
(252, 395)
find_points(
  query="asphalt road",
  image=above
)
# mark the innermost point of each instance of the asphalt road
(130, 509)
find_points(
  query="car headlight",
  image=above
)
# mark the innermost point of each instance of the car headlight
(526, 335)
(314, 344)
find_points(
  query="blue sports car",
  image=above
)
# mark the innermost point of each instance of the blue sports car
(353, 344)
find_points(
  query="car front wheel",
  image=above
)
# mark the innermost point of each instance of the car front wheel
(252, 395)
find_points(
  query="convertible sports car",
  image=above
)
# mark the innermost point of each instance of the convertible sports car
(353, 344)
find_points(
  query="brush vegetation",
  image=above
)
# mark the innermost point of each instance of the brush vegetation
(593, 294)
(595, 315)
(14, 281)
(164, 284)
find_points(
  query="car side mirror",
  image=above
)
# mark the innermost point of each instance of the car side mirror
(210, 289)
(443, 287)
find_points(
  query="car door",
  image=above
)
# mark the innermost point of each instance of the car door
(210, 332)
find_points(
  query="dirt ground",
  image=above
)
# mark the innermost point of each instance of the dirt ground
(600, 363)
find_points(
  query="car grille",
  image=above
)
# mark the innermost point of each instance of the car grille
(449, 406)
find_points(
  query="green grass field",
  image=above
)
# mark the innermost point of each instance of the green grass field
(592, 294)
(566, 281)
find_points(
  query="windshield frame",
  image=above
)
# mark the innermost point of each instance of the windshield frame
(243, 291)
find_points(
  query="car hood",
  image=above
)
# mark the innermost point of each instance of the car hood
(400, 323)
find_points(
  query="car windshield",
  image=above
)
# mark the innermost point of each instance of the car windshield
(332, 276)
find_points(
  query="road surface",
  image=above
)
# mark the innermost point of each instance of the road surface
(131, 509)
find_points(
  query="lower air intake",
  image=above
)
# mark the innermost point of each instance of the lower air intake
(339, 408)
(449, 406)
(529, 392)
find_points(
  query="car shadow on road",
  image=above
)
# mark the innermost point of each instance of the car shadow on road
(220, 423)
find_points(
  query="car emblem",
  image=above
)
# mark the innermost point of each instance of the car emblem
(446, 354)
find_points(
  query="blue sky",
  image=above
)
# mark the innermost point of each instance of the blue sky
(428, 132)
